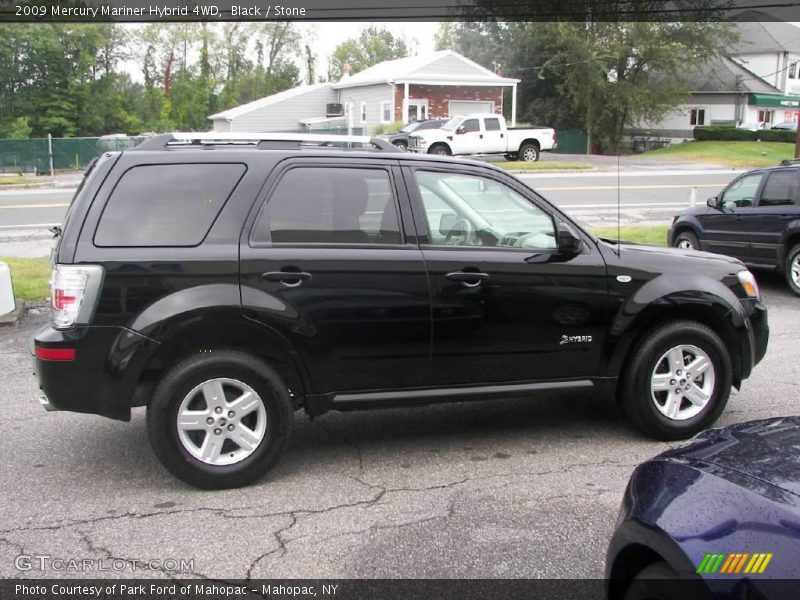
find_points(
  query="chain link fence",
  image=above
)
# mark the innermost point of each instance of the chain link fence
(72, 154)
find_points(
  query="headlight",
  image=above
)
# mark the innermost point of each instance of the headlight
(749, 284)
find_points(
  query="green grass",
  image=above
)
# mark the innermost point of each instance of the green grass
(30, 277)
(551, 165)
(655, 235)
(732, 154)
(15, 180)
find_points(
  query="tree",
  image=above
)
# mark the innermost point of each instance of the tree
(373, 45)
(602, 77)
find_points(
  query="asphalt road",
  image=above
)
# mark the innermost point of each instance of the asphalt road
(644, 196)
(516, 488)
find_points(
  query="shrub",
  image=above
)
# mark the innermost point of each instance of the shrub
(387, 128)
(726, 133)
(777, 135)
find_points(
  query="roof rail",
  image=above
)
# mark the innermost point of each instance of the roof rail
(264, 140)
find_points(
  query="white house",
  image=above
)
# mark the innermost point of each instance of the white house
(441, 84)
(758, 80)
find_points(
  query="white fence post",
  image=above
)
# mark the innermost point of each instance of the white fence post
(50, 153)
(692, 196)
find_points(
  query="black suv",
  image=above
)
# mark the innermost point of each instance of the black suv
(755, 219)
(226, 285)
(400, 139)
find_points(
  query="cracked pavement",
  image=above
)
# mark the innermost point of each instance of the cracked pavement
(515, 488)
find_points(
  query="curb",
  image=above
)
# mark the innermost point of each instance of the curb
(15, 316)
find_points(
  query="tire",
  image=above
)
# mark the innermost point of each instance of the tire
(402, 146)
(792, 269)
(664, 414)
(686, 240)
(657, 581)
(265, 422)
(439, 150)
(528, 152)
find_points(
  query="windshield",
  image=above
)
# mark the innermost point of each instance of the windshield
(452, 123)
(410, 127)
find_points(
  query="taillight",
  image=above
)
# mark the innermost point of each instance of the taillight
(73, 294)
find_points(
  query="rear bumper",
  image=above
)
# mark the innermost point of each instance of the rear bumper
(103, 376)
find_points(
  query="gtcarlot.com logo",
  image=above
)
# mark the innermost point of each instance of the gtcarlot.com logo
(734, 563)
(45, 562)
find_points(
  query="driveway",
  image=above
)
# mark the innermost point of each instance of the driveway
(507, 489)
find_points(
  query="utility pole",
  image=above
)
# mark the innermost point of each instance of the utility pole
(797, 136)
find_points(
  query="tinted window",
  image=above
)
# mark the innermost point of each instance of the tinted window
(166, 205)
(742, 192)
(781, 188)
(468, 210)
(492, 124)
(471, 125)
(330, 205)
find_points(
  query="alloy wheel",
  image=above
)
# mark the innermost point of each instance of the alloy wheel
(682, 382)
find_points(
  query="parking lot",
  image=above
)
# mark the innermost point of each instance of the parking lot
(515, 488)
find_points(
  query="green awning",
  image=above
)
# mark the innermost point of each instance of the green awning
(774, 100)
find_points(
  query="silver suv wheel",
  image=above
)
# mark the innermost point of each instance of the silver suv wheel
(682, 382)
(221, 421)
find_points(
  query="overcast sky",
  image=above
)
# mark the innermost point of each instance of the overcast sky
(324, 37)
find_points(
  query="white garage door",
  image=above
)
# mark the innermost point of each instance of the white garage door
(469, 107)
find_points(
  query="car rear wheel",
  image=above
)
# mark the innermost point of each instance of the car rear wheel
(686, 240)
(792, 269)
(678, 381)
(401, 145)
(219, 419)
(529, 152)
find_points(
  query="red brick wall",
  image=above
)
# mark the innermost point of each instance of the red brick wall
(438, 97)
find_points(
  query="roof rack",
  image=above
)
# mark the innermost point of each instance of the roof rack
(265, 140)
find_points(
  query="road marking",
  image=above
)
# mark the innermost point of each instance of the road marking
(35, 192)
(629, 187)
(624, 174)
(30, 226)
(60, 205)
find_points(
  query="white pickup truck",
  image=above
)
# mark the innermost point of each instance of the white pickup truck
(484, 134)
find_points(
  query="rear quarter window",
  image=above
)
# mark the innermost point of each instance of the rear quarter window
(166, 205)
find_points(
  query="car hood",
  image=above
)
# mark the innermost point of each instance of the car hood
(675, 257)
(767, 450)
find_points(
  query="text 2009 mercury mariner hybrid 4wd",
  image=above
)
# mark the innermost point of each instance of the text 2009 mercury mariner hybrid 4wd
(225, 282)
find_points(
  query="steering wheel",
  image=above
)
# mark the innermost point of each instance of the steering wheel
(462, 233)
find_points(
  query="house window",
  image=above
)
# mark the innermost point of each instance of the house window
(697, 116)
(386, 111)
(765, 116)
(363, 113)
(793, 71)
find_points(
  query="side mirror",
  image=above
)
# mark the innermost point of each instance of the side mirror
(713, 202)
(461, 130)
(568, 241)
(446, 222)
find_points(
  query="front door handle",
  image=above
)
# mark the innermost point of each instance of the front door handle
(468, 278)
(287, 278)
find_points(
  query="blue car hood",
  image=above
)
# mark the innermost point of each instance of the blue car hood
(767, 450)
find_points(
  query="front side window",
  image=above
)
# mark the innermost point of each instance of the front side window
(471, 125)
(742, 192)
(326, 205)
(782, 188)
(166, 205)
(470, 210)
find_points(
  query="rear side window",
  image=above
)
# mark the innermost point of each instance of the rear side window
(492, 124)
(166, 205)
(782, 188)
(325, 205)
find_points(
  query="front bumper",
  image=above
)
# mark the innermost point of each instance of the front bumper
(103, 376)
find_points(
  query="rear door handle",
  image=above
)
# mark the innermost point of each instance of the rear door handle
(468, 278)
(287, 278)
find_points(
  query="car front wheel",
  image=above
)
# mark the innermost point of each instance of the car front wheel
(686, 240)
(678, 381)
(219, 419)
(792, 269)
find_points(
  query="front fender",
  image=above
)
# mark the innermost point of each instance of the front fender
(674, 296)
